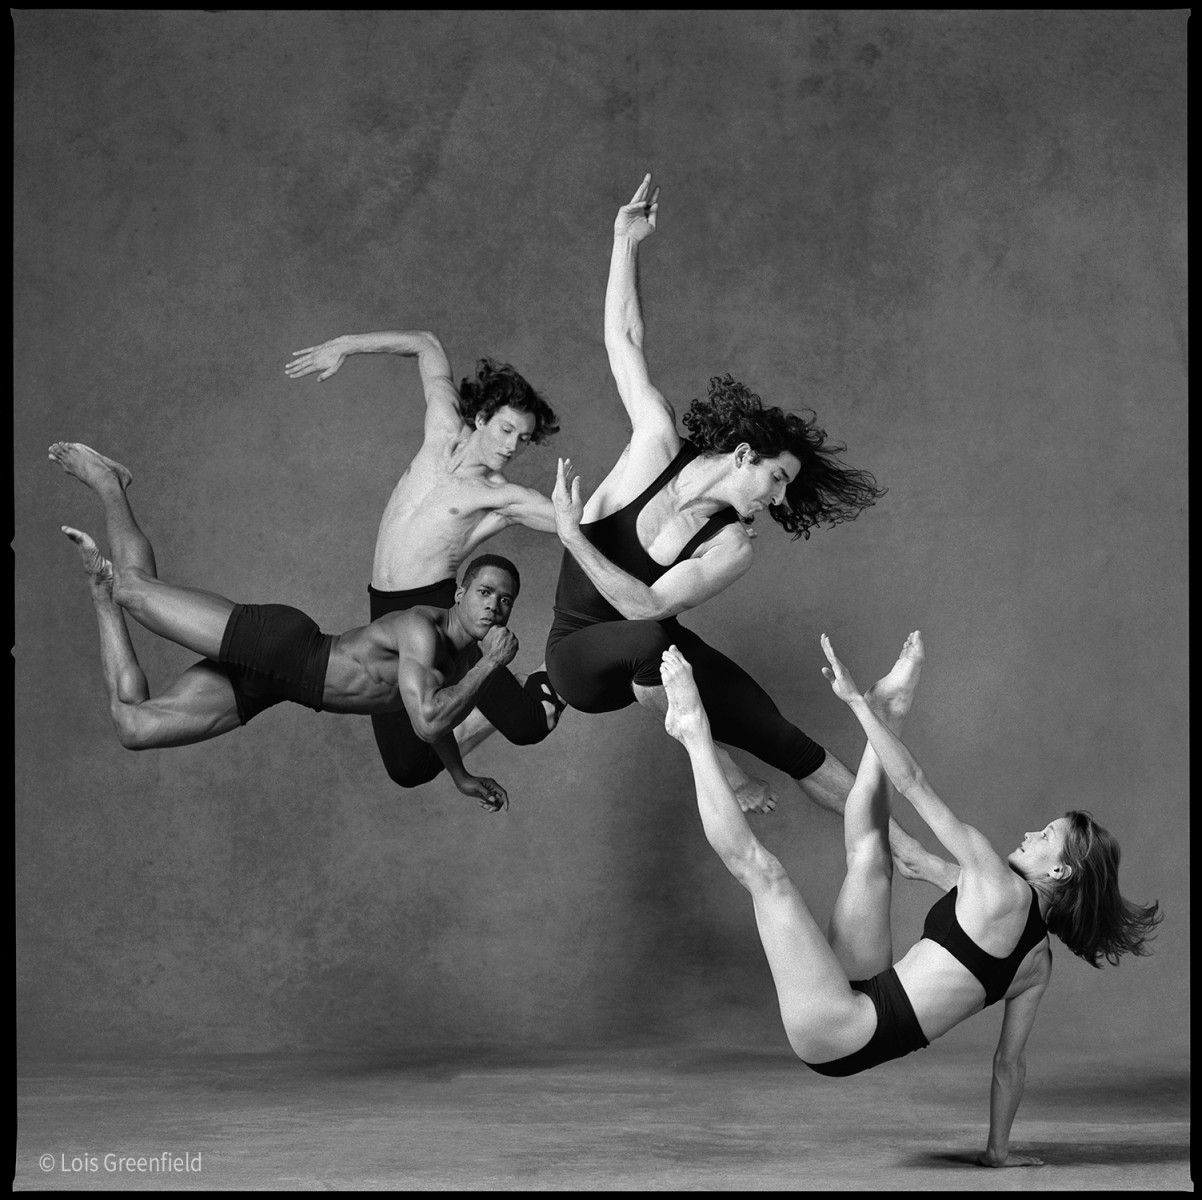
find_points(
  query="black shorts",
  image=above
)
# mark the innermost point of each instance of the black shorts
(271, 653)
(897, 1029)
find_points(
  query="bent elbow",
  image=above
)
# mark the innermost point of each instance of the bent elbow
(429, 729)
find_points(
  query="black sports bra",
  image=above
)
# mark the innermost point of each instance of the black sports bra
(994, 974)
(616, 536)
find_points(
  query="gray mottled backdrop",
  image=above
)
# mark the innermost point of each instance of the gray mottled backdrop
(958, 236)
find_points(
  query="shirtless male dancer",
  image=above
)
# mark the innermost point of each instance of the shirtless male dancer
(452, 497)
(429, 662)
(667, 530)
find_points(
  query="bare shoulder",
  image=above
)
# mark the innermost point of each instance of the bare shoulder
(414, 633)
(442, 439)
(733, 544)
(644, 457)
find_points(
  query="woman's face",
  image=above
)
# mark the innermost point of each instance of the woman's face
(1041, 854)
(760, 484)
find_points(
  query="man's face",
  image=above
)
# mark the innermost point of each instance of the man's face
(760, 484)
(487, 600)
(504, 436)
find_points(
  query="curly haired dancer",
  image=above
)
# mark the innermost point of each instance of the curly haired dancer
(669, 528)
(846, 1005)
(452, 497)
(430, 663)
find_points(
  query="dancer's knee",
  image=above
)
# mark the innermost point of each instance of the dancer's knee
(870, 856)
(131, 585)
(532, 735)
(757, 869)
(136, 729)
(411, 776)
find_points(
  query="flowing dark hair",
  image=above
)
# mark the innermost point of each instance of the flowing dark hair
(491, 560)
(1087, 912)
(497, 385)
(826, 491)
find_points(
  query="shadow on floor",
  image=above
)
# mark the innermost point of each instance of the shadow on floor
(1071, 1154)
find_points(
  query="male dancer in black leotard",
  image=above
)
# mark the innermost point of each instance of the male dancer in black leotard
(667, 529)
(452, 497)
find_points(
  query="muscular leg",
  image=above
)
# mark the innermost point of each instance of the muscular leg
(860, 931)
(753, 794)
(508, 703)
(193, 618)
(823, 1017)
(199, 705)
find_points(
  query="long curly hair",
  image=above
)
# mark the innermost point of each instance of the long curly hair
(1087, 912)
(825, 492)
(497, 385)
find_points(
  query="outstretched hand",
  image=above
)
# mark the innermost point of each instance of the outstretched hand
(636, 220)
(326, 358)
(489, 792)
(839, 677)
(569, 507)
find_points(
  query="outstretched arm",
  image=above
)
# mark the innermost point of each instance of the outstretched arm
(645, 404)
(1009, 1077)
(682, 587)
(966, 844)
(442, 397)
(524, 506)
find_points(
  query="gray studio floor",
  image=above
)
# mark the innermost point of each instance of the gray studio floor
(662, 1118)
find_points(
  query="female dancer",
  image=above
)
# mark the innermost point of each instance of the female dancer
(845, 1007)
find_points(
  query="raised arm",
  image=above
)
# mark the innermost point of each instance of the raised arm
(968, 846)
(434, 706)
(648, 410)
(443, 416)
(1009, 1076)
(684, 586)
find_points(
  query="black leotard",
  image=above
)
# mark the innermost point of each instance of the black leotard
(594, 655)
(897, 1029)
(995, 974)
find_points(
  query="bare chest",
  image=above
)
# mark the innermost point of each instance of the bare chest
(441, 497)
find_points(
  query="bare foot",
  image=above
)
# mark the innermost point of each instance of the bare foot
(88, 465)
(98, 568)
(754, 795)
(686, 717)
(892, 696)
